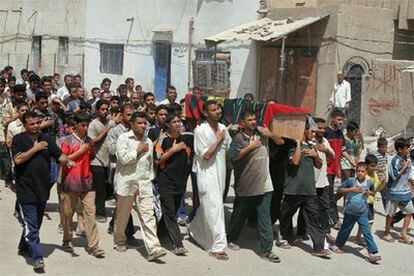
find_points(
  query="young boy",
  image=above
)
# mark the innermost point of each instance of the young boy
(352, 147)
(399, 191)
(77, 185)
(356, 191)
(372, 164)
(382, 165)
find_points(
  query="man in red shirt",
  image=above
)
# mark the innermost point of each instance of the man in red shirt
(77, 184)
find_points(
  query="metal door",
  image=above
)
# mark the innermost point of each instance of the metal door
(162, 67)
(354, 77)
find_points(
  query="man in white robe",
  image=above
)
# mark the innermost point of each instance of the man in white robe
(211, 142)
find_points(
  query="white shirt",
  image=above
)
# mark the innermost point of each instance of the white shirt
(320, 174)
(62, 92)
(133, 173)
(13, 129)
(164, 102)
(341, 94)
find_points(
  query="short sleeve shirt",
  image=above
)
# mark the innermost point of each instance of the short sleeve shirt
(33, 176)
(78, 179)
(301, 178)
(101, 148)
(352, 147)
(356, 203)
(172, 175)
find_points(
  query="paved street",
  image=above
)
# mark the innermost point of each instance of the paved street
(397, 258)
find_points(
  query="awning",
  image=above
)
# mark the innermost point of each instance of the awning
(264, 29)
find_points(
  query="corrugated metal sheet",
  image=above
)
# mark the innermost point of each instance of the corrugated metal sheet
(262, 30)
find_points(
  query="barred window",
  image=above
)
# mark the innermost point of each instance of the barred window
(112, 58)
(210, 73)
(63, 50)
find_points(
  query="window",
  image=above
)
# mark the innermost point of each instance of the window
(37, 52)
(112, 58)
(63, 54)
(210, 73)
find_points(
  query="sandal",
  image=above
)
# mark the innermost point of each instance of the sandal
(270, 256)
(284, 245)
(336, 249)
(120, 248)
(388, 238)
(222, 256)
(97, 252)
(406, 240)
(68, 247)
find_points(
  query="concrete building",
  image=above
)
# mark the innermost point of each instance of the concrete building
(146, 40)
(162, 42)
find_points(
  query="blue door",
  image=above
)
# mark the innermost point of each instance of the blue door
(162, 64)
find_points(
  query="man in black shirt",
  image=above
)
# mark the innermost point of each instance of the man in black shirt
(300, 192)
(174, 152)
(32, 151)
(161, 114)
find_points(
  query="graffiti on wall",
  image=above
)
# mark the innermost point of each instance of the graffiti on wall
(381, 91)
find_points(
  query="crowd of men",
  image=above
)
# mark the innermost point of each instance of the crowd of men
(124, 145)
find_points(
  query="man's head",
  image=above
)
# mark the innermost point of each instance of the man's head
(114, 103)
(42, 102)
(4, 74)
(73, 89)
(67, 79)
(402, 146)
(19, 93)
(352, 129)
(85, 107)
(22, 108)
(9, 70)
(46, 85)
(361, 171)
(23, 74)
(127, 110)
(382, 145)
(106, 84)
(31, 122)
(77, 78)
(56, 77)
(130, 83)
(82, 120)
(102, 109)
(161, 113)
(337, 118)
(171, 93)
(249, 96)
(95, 92)
(174, 123)
(105, 95)
(34, 82)
(197, 91)
(212, 110)
(138, 88)
(149, 98)
(135, 99)
(372, 162)
(308, 134)
(139, 123)
(321, 125)
(80, 92)
(150, 110)
(11, 82)
(249, 120)
(122, 90)
(70, 126)
(341, 76)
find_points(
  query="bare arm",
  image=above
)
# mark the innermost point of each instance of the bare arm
(212, 150)
(295, 159)
(25, 156)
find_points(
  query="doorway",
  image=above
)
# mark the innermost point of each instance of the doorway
(354, 77)
(162, 67)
